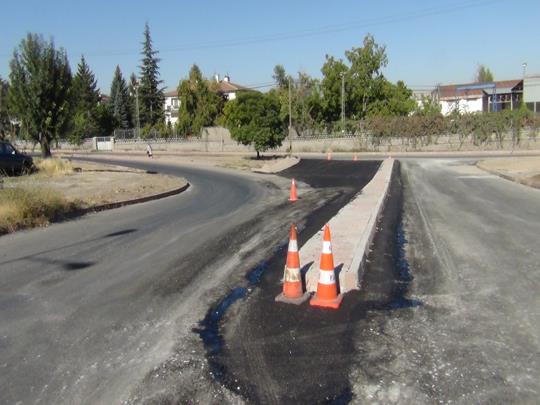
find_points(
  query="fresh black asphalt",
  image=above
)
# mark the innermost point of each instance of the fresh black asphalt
(279, 353)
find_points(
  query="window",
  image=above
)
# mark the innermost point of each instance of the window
(6, 149)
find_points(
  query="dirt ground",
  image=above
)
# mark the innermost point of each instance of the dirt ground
(93, 184)
(236, 161)
(524, 170)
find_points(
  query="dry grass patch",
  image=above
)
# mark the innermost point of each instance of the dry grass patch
(53, 167)
(23, 208)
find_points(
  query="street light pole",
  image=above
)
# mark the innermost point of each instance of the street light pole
(524, 65)
(136, 85)
(342, 101)
(290, 117)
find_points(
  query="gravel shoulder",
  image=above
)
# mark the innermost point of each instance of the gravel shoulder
(523, 170)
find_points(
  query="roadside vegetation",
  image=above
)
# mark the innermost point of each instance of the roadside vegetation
(25, 208)
(53, 167)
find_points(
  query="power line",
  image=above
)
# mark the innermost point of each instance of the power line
(318, 31)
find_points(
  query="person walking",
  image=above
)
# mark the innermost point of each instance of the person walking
(148, 150)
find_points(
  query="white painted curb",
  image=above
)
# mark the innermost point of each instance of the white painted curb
(352, 230)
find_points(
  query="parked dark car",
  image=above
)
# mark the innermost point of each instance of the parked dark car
(12, 161)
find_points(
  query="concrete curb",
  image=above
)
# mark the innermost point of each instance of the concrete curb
(353, 229)
(509, 177)
(119, 204)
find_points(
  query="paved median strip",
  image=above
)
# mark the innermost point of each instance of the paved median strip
(353, 229)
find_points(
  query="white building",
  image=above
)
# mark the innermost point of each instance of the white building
(224, 87)
(480, 97)
(172, 105)
(531, 93)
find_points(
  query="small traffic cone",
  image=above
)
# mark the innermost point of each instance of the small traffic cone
(329, 155)
(293, 196)
(326, 295)
(292, 283)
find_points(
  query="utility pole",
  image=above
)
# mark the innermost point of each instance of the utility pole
(290, 117)
(523, 85)
(137, 107)
(342, 101)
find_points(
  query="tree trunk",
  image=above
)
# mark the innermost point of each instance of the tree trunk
(258, 155)
(45, 147)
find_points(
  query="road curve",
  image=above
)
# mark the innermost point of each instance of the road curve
(87, 306)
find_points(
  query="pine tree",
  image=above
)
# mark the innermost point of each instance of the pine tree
(85, 91)
(483, 75)
(85, 99)
(120, 100)
(151, 97)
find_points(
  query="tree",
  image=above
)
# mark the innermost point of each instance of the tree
(85, 100)
(40, 90)
(151, 99)
(104, 119)
(200, 104)
(332, 71)
(396, 100)
(5, 122)
(366, 83)
(366, 90)
(120, 107)
(280, 77)
(305, 98)
(253, 119)
(483, 75)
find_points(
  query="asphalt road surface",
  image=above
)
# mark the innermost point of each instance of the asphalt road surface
(102, 309)
(469, 259)
(172, 301)
(448, 312)
(89, 307)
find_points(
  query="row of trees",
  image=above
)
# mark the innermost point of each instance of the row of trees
(355, 88)
(49, 103)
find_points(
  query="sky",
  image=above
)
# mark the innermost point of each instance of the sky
(427, 42)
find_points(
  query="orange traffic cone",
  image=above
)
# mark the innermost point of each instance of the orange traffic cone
(292, 283)
(326, 295)
(293, 196)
